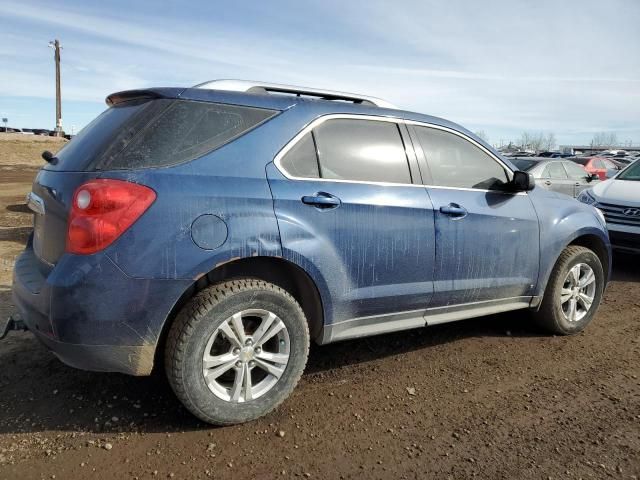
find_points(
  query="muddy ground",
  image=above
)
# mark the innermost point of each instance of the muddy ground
(485, 398)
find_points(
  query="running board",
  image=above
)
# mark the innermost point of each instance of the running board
(394, 322)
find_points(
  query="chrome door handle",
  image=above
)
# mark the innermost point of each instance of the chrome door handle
(454, 210)
(321, 200)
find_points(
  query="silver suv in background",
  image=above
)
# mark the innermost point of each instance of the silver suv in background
(619, 199)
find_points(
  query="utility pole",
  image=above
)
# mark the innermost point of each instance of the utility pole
(56, 47)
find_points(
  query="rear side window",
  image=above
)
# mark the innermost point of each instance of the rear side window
(575, 172)
(556, 171)
(361, 150)
(456, 162)
(177, 131)
(301, 160)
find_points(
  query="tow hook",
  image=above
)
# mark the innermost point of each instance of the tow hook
(14, 322)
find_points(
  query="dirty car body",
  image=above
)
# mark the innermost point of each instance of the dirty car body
(402, 243)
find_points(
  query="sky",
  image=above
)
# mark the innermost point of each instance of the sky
(568, 67)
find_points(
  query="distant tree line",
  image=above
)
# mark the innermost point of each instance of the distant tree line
(537, 142)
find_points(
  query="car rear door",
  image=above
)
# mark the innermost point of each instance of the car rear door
(487, 239)
(554, 177)
(579, 176)
(350, 214)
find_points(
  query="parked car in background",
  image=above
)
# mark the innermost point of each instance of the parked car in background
(619, 199)
(220, 229)
(597, 165)
(554, 155)
(563, 176)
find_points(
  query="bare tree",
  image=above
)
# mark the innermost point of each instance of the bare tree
(482, 134)
(537, 142)
(604, 139)
(549, 143)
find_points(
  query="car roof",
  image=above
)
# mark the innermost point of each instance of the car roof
(282, 102)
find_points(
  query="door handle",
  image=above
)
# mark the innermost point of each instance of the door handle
(454, 210)
(321, 200)
(548, 182)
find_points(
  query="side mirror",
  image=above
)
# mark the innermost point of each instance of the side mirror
(592, 176)
(523, 181)
(611, 172)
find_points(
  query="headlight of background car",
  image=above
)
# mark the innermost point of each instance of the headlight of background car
(585, 197)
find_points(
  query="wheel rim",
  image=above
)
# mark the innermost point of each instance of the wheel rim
(246, 355)
(578, 292)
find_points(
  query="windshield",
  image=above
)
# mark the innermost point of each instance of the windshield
(522, 164)
(632, 172)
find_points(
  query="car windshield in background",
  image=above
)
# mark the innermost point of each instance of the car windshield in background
(524, 164)
(630, 173)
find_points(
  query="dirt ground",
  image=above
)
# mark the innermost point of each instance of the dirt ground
(486, 398)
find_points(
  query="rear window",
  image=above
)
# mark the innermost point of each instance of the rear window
(157, 133)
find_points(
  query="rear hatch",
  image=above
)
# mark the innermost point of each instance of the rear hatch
(141, 129)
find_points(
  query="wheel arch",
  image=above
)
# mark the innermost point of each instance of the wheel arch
(599, 247)
(276, 270)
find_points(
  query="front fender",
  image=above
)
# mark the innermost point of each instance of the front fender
(563, 221)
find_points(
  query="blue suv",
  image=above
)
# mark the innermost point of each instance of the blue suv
(220, 229)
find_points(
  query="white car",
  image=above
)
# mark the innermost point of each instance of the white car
(619, 199)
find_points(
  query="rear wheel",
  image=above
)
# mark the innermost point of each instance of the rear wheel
(573, 293)
(236, 351)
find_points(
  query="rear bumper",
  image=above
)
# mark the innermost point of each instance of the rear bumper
(92, 315)
(129, 359)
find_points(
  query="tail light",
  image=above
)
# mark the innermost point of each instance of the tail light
(102, 210)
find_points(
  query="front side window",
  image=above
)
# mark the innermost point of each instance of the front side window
(361, 150)
(456, 162)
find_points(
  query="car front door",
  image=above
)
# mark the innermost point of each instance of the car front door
(487, 239)
(351, 215)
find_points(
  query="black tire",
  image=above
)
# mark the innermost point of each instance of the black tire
(550, 316)
(194, 326)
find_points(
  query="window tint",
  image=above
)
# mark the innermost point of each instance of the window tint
(364, 150)
(456, 162)
(92, 140)
(608, 164)
(575, 172)
(556, 171)
(301, 160)
(597, 163)
(176, 131)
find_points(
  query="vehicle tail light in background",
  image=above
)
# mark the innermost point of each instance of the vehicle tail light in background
(102, 210)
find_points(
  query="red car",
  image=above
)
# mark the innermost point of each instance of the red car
(597, 165)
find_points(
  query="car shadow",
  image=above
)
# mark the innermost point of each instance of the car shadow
(39, 393)
(626, 267)
(19, 208)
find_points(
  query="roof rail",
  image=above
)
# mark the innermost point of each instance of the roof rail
(263, 87)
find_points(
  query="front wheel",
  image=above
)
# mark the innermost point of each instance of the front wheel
(236, 351)
(573, 293)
